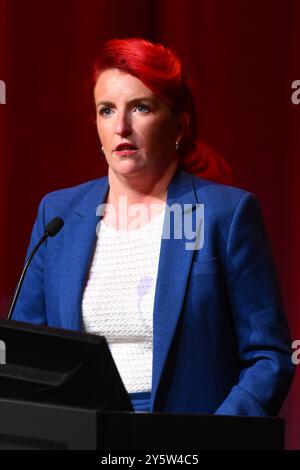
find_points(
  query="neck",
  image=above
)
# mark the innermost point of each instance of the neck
(141, 188)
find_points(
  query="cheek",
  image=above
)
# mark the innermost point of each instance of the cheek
(98, 130)
(161, 133)
(103, 131)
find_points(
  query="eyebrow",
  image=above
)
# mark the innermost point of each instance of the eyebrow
(135, 100)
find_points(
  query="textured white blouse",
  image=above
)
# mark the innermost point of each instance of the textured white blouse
(119, 297)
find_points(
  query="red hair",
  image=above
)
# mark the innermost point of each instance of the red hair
(159, 68)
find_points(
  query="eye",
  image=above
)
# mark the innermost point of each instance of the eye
(105, 112)
(143, 108)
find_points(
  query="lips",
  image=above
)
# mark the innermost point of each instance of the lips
(125, 150)
(125, 146)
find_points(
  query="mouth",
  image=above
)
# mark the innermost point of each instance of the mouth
(125, 149)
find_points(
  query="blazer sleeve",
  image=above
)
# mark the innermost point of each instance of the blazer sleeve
(30, 306)
(265, 355)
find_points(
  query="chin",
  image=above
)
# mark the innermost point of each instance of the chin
(128, 168)
(131, 174)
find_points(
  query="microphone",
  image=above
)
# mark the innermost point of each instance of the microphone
(52, 229)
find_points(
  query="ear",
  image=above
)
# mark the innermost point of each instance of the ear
(183, 125)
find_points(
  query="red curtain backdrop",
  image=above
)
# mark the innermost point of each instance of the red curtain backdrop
(242, 57)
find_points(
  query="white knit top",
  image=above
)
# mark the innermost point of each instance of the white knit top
(119, 297)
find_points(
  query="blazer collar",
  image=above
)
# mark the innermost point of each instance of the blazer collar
(95, 196)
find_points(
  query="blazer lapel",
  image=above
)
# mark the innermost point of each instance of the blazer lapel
(173, 272)
(80, 238)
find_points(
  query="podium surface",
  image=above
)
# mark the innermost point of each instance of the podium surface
(33, 425)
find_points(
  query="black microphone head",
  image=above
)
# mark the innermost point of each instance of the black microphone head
(54, 226)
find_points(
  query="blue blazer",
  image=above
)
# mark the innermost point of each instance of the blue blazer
(220, 339)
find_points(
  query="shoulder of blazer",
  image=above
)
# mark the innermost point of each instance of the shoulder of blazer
(220, 199)
(74, 194)
(223, 203)
(210, 190)
(82, 198)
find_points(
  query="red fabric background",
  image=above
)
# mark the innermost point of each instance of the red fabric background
(242, 56)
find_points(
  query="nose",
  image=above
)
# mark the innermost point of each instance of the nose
(123, 125)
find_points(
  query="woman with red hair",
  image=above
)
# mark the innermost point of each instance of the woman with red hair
(162, 257)
(160, 70)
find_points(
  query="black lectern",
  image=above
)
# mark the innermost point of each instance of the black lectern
(26, 425)
(57, 366)
(60, 389)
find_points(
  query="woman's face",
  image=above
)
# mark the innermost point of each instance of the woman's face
(137, 130)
